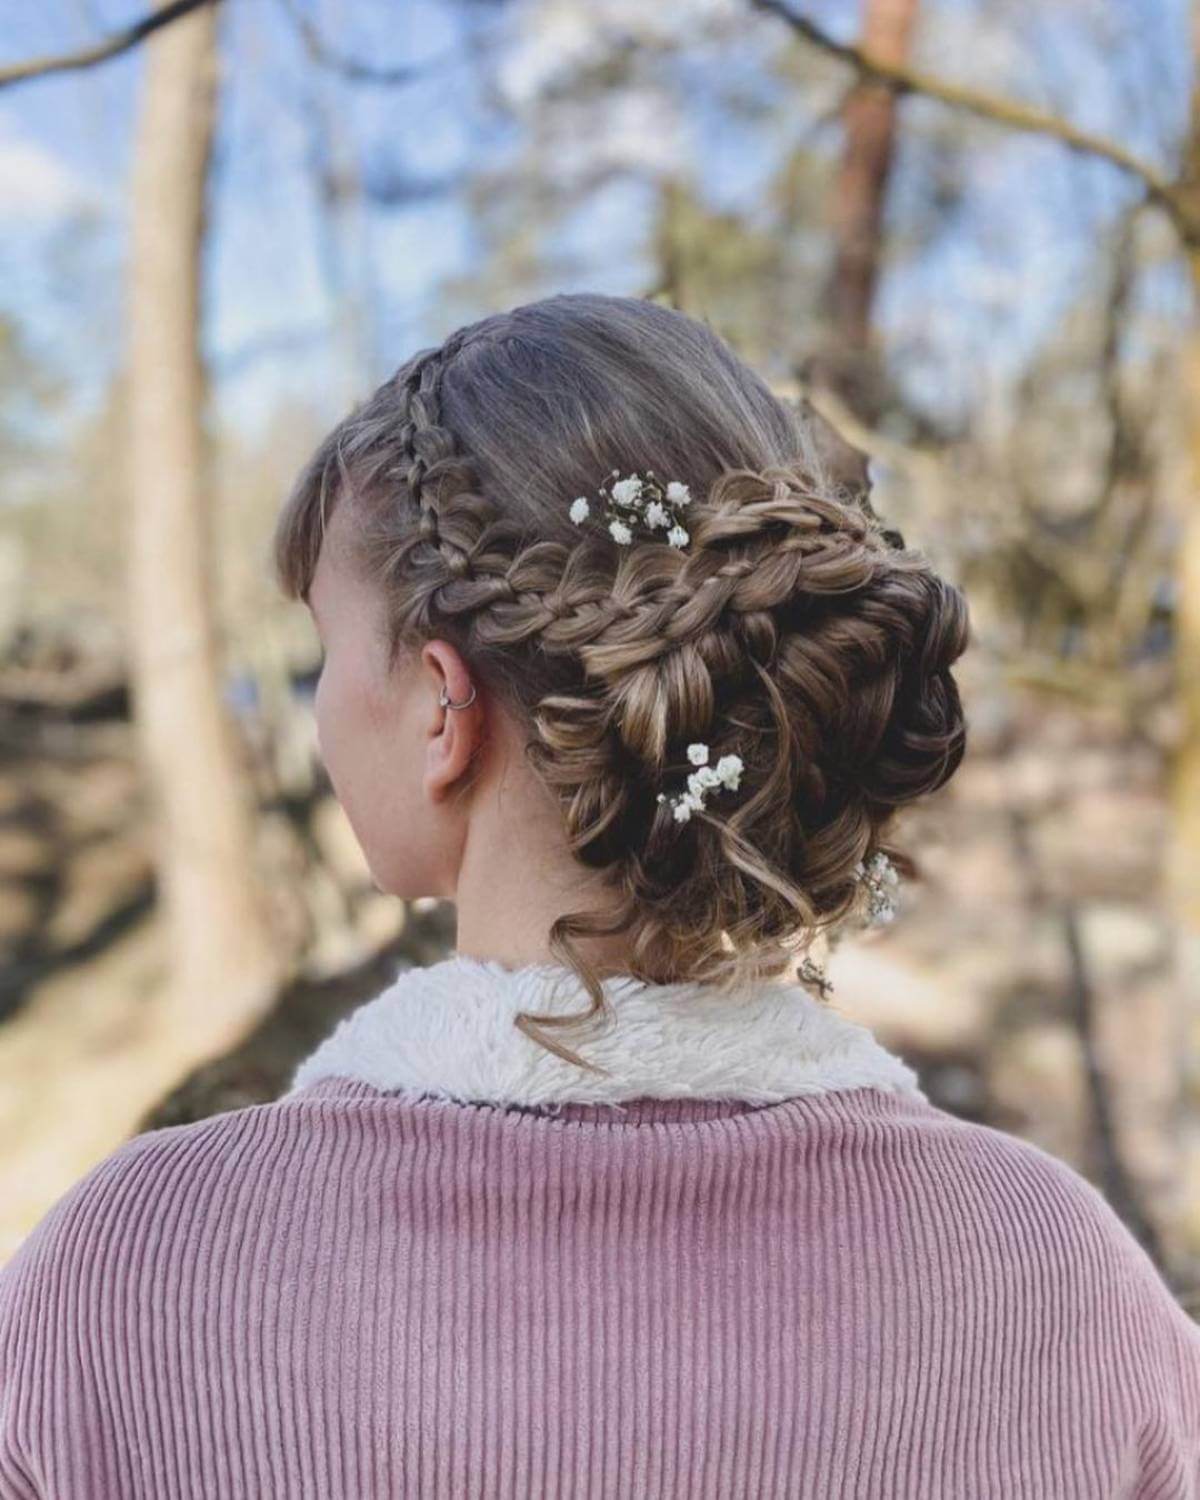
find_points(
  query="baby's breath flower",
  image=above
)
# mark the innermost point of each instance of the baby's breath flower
(687, 805)
(724, 773)
(640, 498)
(705, 777)
(729, 770)
(878, 875)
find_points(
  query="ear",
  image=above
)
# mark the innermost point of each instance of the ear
(454, 735)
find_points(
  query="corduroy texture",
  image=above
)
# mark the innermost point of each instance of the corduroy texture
(350, 1294)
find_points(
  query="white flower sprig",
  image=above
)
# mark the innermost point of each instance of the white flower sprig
(639, 500)
(879, 875)
(727, 773)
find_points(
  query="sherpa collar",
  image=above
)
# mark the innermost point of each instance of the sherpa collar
(448, 1030)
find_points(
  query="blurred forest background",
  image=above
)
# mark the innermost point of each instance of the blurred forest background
(967, 231)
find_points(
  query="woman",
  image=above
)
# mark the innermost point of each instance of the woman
(613, 663)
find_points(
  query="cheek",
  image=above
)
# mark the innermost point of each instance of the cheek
(333, 709)
(352, 725)
(319, 712)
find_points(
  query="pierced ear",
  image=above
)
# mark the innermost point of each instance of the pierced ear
(454, 784)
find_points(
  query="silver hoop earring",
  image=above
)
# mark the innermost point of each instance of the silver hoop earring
(444, 699)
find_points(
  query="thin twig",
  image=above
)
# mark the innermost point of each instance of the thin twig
(1018, 116)
(98, 52)
(352, 68)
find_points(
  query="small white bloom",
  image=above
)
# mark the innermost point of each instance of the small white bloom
(697, 754)
(656, 514)
(683, 810)
(885, 870)
(678, 494)
(627, 491)
(621, 532)
(580, 509)
(878, 875)
(705, 777)
(662, 796)
(677, 536)
(729, 770)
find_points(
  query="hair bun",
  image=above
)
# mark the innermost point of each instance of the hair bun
(793, 637)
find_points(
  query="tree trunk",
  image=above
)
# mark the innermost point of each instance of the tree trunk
(858, 194)
(1183, 864)
(1183, 852)
(223, 965)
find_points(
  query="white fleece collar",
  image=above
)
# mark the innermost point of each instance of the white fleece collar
(448, 1030)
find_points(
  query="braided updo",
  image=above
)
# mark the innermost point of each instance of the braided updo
(793, 631)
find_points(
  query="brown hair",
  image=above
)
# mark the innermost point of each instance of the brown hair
(792, 630)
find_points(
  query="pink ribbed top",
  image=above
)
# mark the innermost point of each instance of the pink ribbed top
(353, 1293)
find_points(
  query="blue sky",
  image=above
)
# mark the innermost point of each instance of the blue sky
(971, 301)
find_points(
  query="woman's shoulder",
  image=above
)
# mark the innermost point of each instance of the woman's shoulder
(1034, 1221)
(106, 1257)
(1018, 1186)
(199, 1179)
(1080, 1284)
(128, 1194)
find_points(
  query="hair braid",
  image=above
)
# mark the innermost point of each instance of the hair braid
(426, 448)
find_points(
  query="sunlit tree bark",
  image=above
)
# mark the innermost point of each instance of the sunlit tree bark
(223, 969)
(857, 197)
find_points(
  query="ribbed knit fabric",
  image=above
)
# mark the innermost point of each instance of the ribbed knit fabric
(350, 1293)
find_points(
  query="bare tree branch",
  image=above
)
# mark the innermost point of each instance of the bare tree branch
(350, 67)
(905, 80)
(86, 57)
